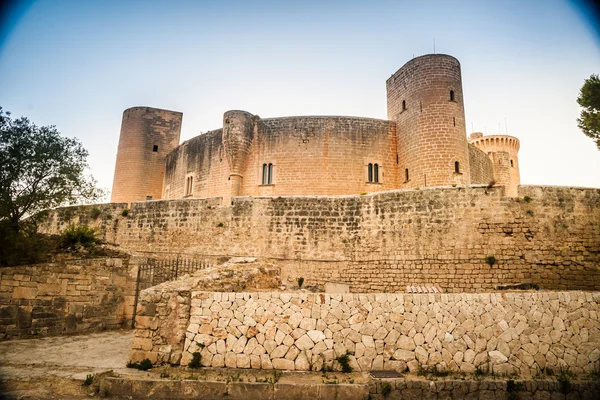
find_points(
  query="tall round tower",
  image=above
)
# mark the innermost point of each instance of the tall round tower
(503, 151)
(147, 135)
(425, 98)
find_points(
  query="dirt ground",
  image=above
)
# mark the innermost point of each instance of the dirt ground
(55, 367)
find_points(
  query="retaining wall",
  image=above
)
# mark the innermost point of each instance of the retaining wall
(549, 236)
(503, 333)
(66, 297)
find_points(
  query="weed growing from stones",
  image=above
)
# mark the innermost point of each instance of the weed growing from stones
(143, 365)
(344, 361)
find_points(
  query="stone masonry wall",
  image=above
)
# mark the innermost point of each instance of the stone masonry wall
(505, 332)
(482, 171)
(69, 296)
(381, 242)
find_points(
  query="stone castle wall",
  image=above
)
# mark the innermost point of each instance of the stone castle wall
(310, 156)
(482, 171)
(502, 332)
(66, 297)
(382, 242)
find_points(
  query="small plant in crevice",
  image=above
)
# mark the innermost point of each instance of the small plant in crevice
(195, 363)
(529, 212)
(125, 212)
(89, 379)
(454, 185)
(491, 260)
(564, 380)
(344, 361)
(481, 371)
(363, 193)
(164, 374)
(527, 199)
(220, 225)
(513, 388)
(143, 365)
(386, 389)
(95, 213)
(300, 282)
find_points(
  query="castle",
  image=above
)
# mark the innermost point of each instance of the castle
(423, 143)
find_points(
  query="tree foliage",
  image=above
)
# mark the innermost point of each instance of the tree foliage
(589, 99)
(39, 169)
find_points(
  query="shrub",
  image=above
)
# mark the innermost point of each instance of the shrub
(143, 365)
(512, 388)
(195, 363)
(491, 260)
(344, 361)
(564, 380)
(25, 246)
(527, 199)
(78, 234)
(300, 282)
(386, 389)
(89, 379)
(125, 212)
(95, 213)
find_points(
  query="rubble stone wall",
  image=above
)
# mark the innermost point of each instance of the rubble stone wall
(66, 297)
(501, 332)
(383, 242)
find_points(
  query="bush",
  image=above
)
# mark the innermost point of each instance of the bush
(143, 365)
(195, 363)
(78, 235)
(89, 379)
(25, 246)
(344, 361)
(491, 260)
(95, 213)
(386, 389)
(125, 212)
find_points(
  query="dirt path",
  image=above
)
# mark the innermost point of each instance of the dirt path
(55, 367)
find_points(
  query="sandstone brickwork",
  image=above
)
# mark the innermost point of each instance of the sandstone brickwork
(425, 98)
(503, 152)
(66, 297)
(382, 242)
(504, 332)
(422, 144)
(147, 136)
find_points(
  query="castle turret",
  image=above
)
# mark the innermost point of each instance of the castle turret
(503, 151)
(238, 132)
(147, 135)
(425, 99)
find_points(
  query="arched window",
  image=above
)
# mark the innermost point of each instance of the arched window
(370, 173)
(452, 95)
(511, 163)
(456, 167)
(406, 174)
(375, 172)
(403, 105)
(267, 174)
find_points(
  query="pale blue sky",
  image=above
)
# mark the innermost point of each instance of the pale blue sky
(79, 64)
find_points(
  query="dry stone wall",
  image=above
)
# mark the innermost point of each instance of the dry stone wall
(502, 332)
(382, 242)
(66, 297)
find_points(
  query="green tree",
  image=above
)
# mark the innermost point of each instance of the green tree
(589, 99)
(39, 169)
